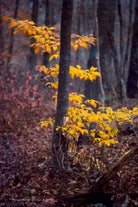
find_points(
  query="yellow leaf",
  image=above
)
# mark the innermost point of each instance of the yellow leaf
(15, 31)
(48, 49)
(55, 48)
(12, 24)
(85, 46)
(44, 124)
(92, 132)
(5, 18)
(36, 49)
(78, 66)
(75, 47)
(54, 56)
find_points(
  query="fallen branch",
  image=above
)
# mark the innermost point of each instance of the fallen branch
(94, 192)
(101, 181)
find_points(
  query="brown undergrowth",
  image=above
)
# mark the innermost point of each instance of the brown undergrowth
(25, 163)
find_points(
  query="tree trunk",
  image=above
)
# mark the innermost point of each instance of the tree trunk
(125, 47)
(59, 141)
(1, 38)
(1, 33)
(91, 88)
(106, 19)
(132, 83)
(94, 90)
(47, 23)
(122, 59)
(33, 56)
(11, 44)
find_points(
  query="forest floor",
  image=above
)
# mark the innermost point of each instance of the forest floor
(25, 164)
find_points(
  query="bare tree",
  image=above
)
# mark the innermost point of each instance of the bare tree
(122, 59)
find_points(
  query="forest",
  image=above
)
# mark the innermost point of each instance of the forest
(68, 103)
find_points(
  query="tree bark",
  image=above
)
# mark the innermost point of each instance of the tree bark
(122, 59)
(47, 23)
(33, 56)
(59, 141)
(11, 44)
(94, 90)
(132, 83)
(106, 19)
(91, 88)
(1, 33)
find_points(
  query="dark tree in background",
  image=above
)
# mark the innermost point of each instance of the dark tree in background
(1, 30)
(91, 88)
(132, 83)
(47, 23)
(11, 44)
(106, 20)
(94, 90)
(33, 56)
(121, 56)
(59, 142)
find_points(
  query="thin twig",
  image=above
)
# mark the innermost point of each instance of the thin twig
(86, 180)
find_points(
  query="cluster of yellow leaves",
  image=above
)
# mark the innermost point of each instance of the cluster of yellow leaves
(47, 123)
(90, 74)
(46, 39)
(81, 118)
(74, 72)
(82, 41)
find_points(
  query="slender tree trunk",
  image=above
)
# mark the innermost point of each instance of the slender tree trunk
(1, 33)
(132, 83)
(100, 83)
(33, 56)
(11, 44)
(59, 142)
(125, 48)
(78, 28)
(92, 88)
(47, 23)
(126, 31)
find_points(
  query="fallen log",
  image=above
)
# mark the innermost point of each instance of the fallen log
(100, 183)
(95, 191)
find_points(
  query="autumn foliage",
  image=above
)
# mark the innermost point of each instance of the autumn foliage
(101, 127)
